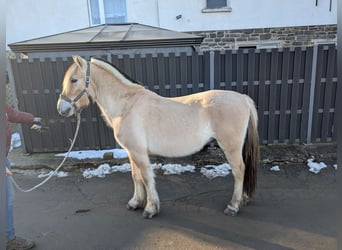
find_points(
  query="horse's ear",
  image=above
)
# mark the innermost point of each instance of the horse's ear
(80, 62)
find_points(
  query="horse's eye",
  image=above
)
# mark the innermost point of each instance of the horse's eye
(73, 80)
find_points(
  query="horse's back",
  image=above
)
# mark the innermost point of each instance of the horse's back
(212, 98)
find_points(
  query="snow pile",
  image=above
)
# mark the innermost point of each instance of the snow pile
(15, 141)
(212, 171)
(173, 168)
(275, 168)
(58, 174)
(97, 154)
(168, 169)
(105, 169)
(315, 167)
(124, 168)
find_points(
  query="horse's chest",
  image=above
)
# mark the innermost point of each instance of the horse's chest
(126, 132)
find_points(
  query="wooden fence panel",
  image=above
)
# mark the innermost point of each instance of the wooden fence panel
(283, 132)
(279, 83)
(294, 94)
(272, 96)
(325, 94)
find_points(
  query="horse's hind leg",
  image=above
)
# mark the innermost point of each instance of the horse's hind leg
(139, 197)
(142, 164)
(235, 160)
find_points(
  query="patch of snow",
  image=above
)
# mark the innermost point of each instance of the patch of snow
(100, 172)
(124, 168)
(177, 169)
(156, 165)
(97, 154)
(335, 166)
(170, 169)
(315, 167)
(58, 174)
(212, 171)
(104, 169)
(119, 153)
(15, 141)
(275, 168)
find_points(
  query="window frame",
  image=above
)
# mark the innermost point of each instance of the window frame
(226, 8)
(102, 14)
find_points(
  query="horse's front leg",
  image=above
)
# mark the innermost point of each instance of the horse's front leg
(152, 203)
(139, 197)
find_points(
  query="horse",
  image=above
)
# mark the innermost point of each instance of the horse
(145, 123)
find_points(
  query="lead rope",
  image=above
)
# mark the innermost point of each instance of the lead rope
(78, 115)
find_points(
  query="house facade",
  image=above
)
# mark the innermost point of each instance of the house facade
(223, 23)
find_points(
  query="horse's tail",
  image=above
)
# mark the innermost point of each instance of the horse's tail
(251, 151)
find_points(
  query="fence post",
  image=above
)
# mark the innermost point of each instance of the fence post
(312, 93)
(212, 69)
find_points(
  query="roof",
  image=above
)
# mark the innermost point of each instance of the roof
(108, 36)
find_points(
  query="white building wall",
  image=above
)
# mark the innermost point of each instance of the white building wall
(28, 19)
(143, 11)
(245, 14)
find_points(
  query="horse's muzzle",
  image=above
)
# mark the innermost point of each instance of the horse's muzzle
(65, 108)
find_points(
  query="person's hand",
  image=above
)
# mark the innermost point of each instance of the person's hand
(39, 125)
(8, 172)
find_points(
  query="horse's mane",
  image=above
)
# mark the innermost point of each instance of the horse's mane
(113, 69)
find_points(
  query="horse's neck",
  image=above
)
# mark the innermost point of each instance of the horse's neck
(111, 94)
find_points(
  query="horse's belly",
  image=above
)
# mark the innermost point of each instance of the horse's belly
(180, 143)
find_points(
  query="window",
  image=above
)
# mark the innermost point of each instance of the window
(107, 11)
(214, 4)
(217, 6)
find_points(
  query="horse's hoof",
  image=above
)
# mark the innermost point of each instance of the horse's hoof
(129, 207)
(147, 215)
(231, 211)
(135, 204)
(150, 211)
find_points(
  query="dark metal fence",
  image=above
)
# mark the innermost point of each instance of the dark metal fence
(294, 90)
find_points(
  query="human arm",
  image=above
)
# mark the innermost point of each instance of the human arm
(16, 116)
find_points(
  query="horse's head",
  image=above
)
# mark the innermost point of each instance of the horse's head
(74, 96)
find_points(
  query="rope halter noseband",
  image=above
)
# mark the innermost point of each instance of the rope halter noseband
(84, 91)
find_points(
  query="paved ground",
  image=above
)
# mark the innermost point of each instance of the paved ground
(292, 209)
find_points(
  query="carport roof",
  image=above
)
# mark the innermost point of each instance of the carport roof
(107, 37)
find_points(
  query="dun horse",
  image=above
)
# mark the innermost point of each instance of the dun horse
(145, 123)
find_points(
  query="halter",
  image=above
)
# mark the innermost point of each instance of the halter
(84, 91)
